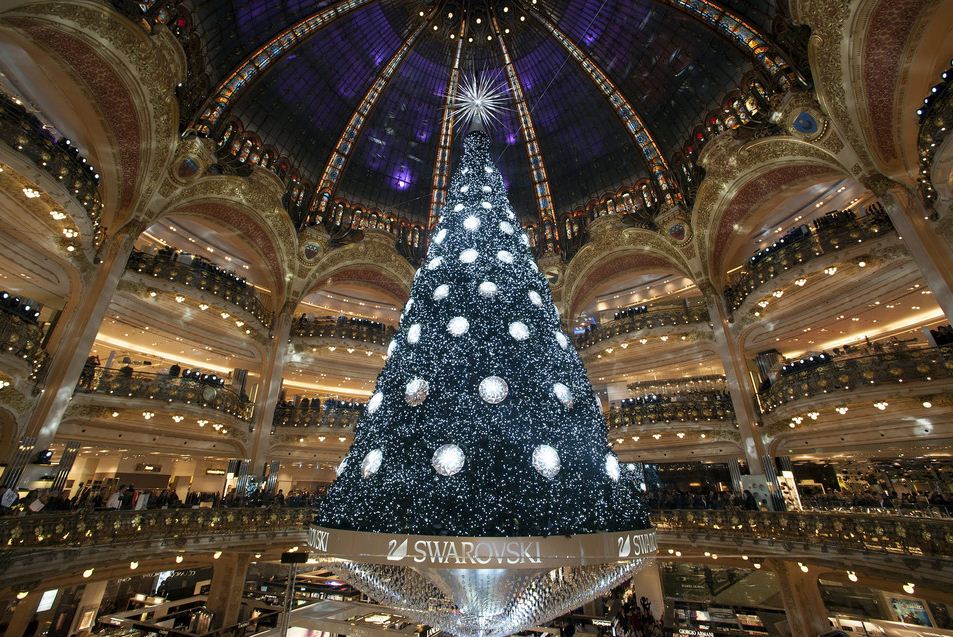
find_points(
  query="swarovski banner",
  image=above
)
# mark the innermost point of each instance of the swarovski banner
(481, 552)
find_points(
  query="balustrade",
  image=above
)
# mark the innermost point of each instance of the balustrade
(24, 340)
(685, 314)
(844, 231)
(26, 133)
(104, 528)
(851, 531)
(204, 276)
(171, 389)
(348, 329)
(844, 374)
(701, 406)
(340, 416)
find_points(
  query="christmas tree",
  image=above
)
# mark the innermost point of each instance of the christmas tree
(483, 422)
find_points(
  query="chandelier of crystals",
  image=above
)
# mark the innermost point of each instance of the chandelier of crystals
(480, 495)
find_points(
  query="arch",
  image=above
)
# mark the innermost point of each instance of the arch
(738, 178)
(117, 88)
(252, 206)
(614, 246)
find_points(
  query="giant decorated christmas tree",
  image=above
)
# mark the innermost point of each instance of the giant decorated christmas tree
(480, 494)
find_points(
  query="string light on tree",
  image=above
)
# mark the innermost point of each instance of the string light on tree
(484, 434)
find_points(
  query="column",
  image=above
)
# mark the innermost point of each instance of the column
(272, 482)
(267, 398)
(737, 380)
(648, 583)
(91, 599)
(75, 334)
(803, 605)
(23, 614)
(734, 470)
(65, 465)
(930, 252)
(225, 592)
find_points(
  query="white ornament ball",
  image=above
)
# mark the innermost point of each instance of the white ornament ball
(375, 403)
(391, 347)
(493, 390)
(341, 467)
(487, 189)
(458, 207)
(434, 263)
(471, 223)
(509, 213)
(410, 304)
(448, 460)
(465, 171)
(505, 257)
(469, 255)
(440, 236)
(546, 461)
(464, 188)
(416, 391)
(533, 265)
(562, 340)
(487, 289)
(488, 169)
(458, 326)
(524, 239)
(413, 334)
(563, 395)
(506, 227)
(486, 205)
(371, 463)
(441, 292)
(519, 331)
(535, 298)
(612, 467)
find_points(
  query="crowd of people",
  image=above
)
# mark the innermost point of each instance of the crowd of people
(882, 499)
(196, 262)
(23, 309)
(672, 498)
(942, 335)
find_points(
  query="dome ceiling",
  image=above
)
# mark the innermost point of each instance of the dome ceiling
(667, 63)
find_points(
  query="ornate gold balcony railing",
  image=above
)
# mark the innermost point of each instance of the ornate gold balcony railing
(655, 317)
(922, 537)
(700, 406)
(819, 241)
(330, 417)
(840, 375)
(24, 340)
(24, 132)
(169, 389)
(103, 528)
(214, 281)
(347, 329)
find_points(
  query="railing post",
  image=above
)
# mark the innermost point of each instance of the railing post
(933, 256)
(75, 334)
(267, 398)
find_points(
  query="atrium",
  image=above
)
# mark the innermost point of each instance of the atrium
(620, 318)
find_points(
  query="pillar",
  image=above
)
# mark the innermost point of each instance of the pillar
(91, 599)
(648, 583)
(803, 605)
(23, 614)
(65, 465)
(737, 380)
(225, 591)
(267, 398)
(928, 249)
(75, 334)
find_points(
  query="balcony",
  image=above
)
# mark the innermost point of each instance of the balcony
(833, 234)
(24, 132)
(162, 387)
(330, 414)
(23, 340)
(202, 276)
(821, 531)
(654, 318)
(372, 335)
(900, 365)
(695, 407)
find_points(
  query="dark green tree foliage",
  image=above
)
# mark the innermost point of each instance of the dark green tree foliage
(443, 450)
